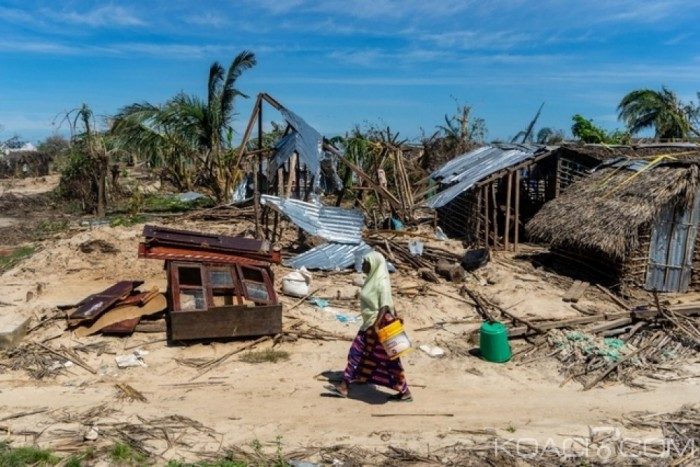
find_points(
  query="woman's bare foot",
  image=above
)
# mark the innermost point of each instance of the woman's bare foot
(402, 397)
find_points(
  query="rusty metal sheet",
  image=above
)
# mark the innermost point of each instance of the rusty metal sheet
(94, 305)
(165, 236)
(202, 256)
(123, 327)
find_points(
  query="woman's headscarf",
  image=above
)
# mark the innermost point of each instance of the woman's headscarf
(376, 292)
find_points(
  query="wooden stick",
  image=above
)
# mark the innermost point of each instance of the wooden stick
(486, 217)
(453, 297)
(23, 414)
(75, 361)
(302, 300)
(517, 210)
(613, 366)
(494, 208)
(506, 234)
(613, 297)
(413, 415)
(224, 357)
(292, 171)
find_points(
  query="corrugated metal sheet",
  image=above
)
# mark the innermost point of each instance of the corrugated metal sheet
(672, 248)
(470, 168)
(334, 224)
(329, 257)
(303, 139)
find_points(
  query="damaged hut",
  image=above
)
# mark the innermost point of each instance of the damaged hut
(296, 165)
(633, 222)
(218, 286)
(23, 163)
(487, 195)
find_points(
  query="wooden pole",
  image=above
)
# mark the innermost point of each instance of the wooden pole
(509, 188)
(256, 175)
(517, 210)
(292, 173)
(478, 216)
(248, 131)
(486, 216)
(494, 208)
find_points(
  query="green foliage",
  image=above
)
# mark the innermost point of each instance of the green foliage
(171, 203)
(77, 181)
(56, 146)
(13, 259)
(25, 456)
(661, 110)
(585, 130)
(127, 220)
(50, 227)
(191, 138)
(80, 459)
(265, 356)
(124, 454)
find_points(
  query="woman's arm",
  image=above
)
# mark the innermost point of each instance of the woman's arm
(380, 316)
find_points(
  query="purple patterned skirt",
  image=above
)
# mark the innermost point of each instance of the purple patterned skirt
(369, 363)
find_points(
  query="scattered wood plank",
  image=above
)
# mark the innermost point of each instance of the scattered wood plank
(617, 300)
(610, 368)
(23, 414)
(576, 291)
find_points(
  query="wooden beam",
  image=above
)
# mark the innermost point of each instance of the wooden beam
(478, 215)
(517, 210)
(292, 174)
(256, 174)
(395, 203)
(509, 188)
(486, 216)
(494, 209)
(248, 131)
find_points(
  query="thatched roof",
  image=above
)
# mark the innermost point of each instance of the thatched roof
(604, 152)
(603, 212)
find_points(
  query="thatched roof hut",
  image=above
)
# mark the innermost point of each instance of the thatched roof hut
(624, 210)
(24, 164)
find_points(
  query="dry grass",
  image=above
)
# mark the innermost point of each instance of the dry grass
(264, 356)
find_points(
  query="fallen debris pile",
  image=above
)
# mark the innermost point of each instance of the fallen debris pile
(651, 342)
(116, 310)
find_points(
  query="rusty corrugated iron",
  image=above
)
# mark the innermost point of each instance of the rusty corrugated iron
(94, 305)
(184, 245)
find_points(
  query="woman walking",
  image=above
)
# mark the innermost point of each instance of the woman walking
(368, 362)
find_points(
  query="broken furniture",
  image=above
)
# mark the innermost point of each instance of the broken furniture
(218, 286)
(116, 310)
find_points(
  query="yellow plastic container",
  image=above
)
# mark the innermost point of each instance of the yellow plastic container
(394, 339)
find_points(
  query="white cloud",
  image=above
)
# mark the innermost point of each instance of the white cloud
(478, 40)
(108, 15)
(14, 15)
(208, 19)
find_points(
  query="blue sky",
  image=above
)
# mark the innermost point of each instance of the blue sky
(397, 63)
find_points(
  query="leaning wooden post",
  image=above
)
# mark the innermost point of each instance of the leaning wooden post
(495, 214)
(478, 217)
(506, 234)
(256, 174)
(486, 216)
(517, 210)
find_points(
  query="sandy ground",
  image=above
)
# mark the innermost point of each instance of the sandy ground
(243, 402)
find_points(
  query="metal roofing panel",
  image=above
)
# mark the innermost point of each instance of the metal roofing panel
(479, 165)
(304, 140)
(329, 257)
(332, 223)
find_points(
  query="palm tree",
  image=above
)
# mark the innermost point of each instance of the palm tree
(661, 110)
(189, 136)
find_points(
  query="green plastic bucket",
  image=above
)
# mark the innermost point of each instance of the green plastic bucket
(493, 342)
